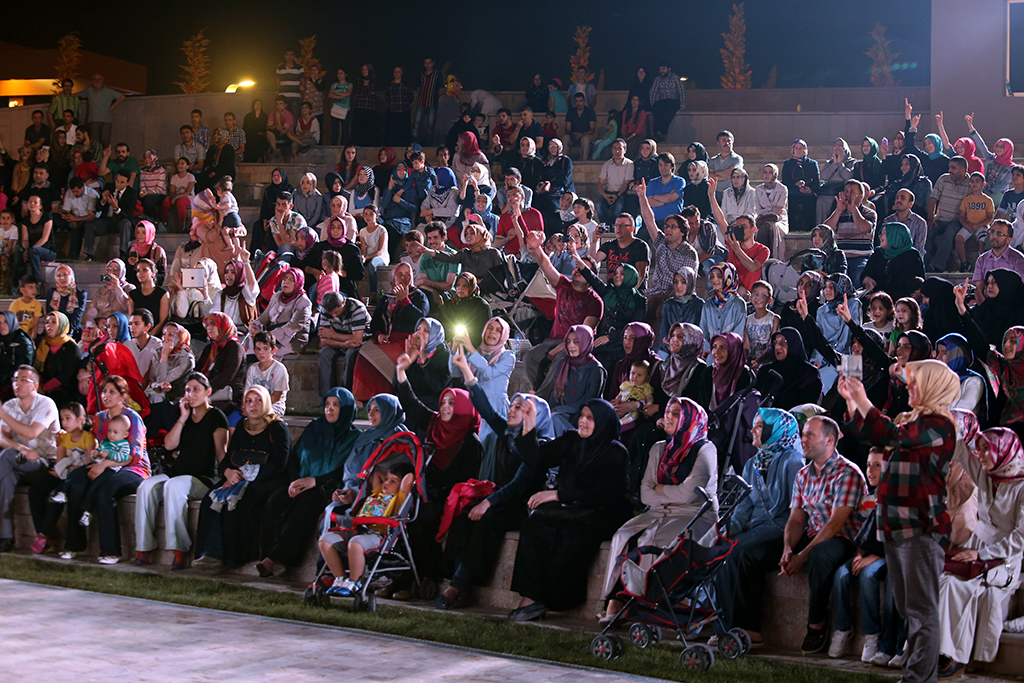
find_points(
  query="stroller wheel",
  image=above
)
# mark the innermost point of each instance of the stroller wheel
(656, 635)
(427, 589)
(358, 604)
(309, 597)
(641, 635)
(744, 637)
(606, 647)
(371, 601)
(321, 598)
(730, 645)
(697, 658)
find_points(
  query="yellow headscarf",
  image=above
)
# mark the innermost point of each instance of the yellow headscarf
(937, 388)
(268, 405)
(52, 344)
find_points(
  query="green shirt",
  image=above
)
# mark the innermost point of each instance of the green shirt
(437, 271)
(62, 102)
(131, 165)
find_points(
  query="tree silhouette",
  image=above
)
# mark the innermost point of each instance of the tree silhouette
(737, 71)
(196, 71)
(882, 58)
(306, 54)
(69, 58)
(582, 56)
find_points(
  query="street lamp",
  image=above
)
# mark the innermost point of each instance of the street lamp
(241, 84)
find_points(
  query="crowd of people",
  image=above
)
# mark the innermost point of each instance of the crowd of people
(876, 409)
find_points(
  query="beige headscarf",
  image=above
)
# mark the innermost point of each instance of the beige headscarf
(937, 388)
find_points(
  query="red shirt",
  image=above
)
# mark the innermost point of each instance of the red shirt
(504, 134)
(759, 253)
(572, 307)
(530, 219)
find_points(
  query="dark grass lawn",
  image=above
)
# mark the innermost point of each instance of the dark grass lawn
(494, 635)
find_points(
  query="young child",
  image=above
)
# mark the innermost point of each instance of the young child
(27, 308)
(329, 280)
(636, 388)
(115, 447)
(908, 317)
(761, 324)
(373, 243)
(73, 444)
(8, 242)
(976, 212)
(880, 314)
(550, 131)
(267, 372)
(353, 542)
(879, 622)
(482, 130)
(611, 135)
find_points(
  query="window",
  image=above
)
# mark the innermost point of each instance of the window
(1015, 48)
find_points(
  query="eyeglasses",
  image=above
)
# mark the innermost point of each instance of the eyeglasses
(24, 380)
(995, 233)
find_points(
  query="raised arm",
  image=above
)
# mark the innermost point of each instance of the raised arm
(646, 211)
(535, 245)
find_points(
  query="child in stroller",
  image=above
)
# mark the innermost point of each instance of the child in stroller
(351, 542)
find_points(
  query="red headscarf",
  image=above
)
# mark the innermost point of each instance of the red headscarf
(974, 163)
(142, 248)
(228, 332)
(300, 283)
(725, 377)
(239, 269)
(470, 145)
(447, 437)
(389, 158)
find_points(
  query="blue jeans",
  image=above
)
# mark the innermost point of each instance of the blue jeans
(36, 256)
(870, 581)
(431, 114)
(855, 268)
(371, 269)
(606, 212)
(894, 627)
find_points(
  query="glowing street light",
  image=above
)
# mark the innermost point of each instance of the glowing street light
(242, 84)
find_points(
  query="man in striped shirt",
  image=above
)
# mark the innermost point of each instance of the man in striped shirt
(341, 332)
(943, 213)
(289, 77)
(426, 102)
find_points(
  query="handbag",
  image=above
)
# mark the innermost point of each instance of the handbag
(968, 570)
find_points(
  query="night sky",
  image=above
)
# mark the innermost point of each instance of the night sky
(813, 43)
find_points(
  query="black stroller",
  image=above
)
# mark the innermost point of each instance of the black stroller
(678, 592)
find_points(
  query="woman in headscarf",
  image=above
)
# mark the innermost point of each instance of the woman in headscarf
(65, 297)
(318, 458)
(824, 237)
(771, 208)
(555, 180)
(387, 418)
(287, 315)
(695, 193)
(896, 267)
(365, 192)
(223, 361)
(800, 176)
(335, 239)
(529, 164)
(578, 378)
(835, 335)
(308, 201)
(641, 89)
(466, 312)
(219, 162)
(695, 151)
(954, 351)
(972, 610)
(738, 199)
(255, 126)
(910, 346)
(801, 382)
(939, 309)
(562, 536)
(537, 95)
(684, 306)
(16, 349)
(145, 246)
(467, 155)
(217, 224)
(474, 538)
(637, 345)
(109, 357)
(57, 359)
(758, 522)
(255, 466)
(998, 163)
(724, 310)
(191, 302)
(386, 162)
(394, 319)
(1002, 307)
(111, 296)
(261, 230)
(429, 373)
(833, 175)
(869, 168)
(912, 178)
(22, 172)
(729, 372)
(167, 374)
(152, 184)
(442, 202)
(808, 288)
(965, 147)
(683, 370)
(676, 467)
(961, 491)
(238, 297)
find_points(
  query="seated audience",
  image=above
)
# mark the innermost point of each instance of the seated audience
(65, 297)
(287, 315)
(724, 309)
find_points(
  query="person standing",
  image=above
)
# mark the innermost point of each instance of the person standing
(398, 99)
(62, 102)
(426, 102)
(289, 79)
(613, 183)
(101, 102)
(667, 98)
(912, 518)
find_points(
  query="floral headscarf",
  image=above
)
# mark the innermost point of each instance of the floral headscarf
(730, 282)
(780, 432)
(71, 291)
(48, 344)
(693, 427)
(678, 368)
(1007, 453)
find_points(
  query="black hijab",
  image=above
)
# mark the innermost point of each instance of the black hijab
(641, 89)
(942, 316)
(799, 377)
(996, 315)
(912, 175)
(684, 168)
(273, 191)
(606, 430)
(920, 345)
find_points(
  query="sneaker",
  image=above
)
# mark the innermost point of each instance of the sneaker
(881, 659)
(965, 267)
(58, 497)
(209, 565)
(67, 555)
(85, 519)
(951, 670)
(179, 560)
(109, 559)
(343, 588)
(39, 545)
(141, 558)
(713, 642)
(814, 641)
(840, 643)
(867, 655)
(1014, 625)
(897, 661)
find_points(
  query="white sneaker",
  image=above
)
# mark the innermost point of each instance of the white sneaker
(67, 555)
(870, 650)
(897, 661)
(713, 641)
(1014, 625)
(85, 518)
(58, 497)
(840, 643)
(881, 659)
(109, 559)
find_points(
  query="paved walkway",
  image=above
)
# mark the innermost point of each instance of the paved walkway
(44, 633)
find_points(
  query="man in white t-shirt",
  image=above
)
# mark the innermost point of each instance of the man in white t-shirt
(143, 346)
(615, 180)
(267, 372)
(29, 424)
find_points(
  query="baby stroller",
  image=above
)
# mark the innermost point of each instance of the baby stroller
(678, 592)
(784, 275)
(394, 554)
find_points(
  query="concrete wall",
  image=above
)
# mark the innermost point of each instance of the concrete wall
(969, 69)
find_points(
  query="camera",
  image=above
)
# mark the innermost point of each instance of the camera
(106, 278)
(737, 231)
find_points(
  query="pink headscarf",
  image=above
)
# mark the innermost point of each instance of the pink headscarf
(585, 337)
(493, 352)
(142, 248)
(1007, 453)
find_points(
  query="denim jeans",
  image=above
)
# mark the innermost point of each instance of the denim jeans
(371, 269)
(870, 580)
(606, 212)
(855, 268)
(431, 116)
(36, 256)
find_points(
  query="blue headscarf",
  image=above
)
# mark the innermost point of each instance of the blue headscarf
(937, 141)
(545, 428)
(123, 328)
(12, 324)
(959, 356)
(434, 339)
(324, 446)
(445, 177)
(783, 434)
(392, 419)
(833, 327)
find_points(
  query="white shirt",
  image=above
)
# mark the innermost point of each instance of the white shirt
(274, 379)
(42, 411)
(83, 206)
(615, 176)
(145, 357)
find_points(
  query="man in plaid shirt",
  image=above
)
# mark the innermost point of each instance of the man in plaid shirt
(822, 521)
(912, 517)
(398, 99)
